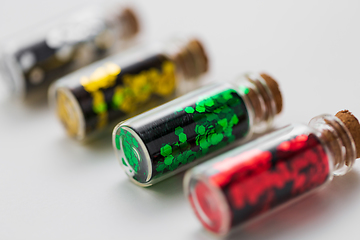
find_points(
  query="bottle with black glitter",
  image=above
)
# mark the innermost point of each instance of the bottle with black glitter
(29, 62)
(177, 135)
(118, 87)
(243, 184)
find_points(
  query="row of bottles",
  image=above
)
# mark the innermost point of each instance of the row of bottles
(237, 182)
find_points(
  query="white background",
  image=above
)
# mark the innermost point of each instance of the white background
(51, 187)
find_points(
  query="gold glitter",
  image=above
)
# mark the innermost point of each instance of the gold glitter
(167, 80)
(103, 77)
(136, 89)
(102, 120)
(67, 113)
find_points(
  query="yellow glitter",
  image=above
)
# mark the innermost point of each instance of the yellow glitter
(136, 89)
(128, 105)
(67, 114)
(167, 80)
(112, 69)
(141, 88)
(102, 120)
(102, 77)
(99, 104)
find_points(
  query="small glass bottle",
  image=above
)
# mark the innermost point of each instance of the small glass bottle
(177, 135)
(32, 60)
(242, 184)
(123, 85)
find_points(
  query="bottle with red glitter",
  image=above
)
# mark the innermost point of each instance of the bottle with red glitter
(243, 184)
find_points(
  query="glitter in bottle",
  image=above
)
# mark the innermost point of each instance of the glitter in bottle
(31, 64)
(248, 181)
(187, 130)
(109, 91)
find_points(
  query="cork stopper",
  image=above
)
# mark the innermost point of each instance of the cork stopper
(352, 124)
(191, 59)
(197, 47)
(265, 97)
(130, 22)
(275, 90)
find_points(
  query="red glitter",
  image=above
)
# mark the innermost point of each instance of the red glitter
(207, 203)
(284, 146)
(258, 180)
(254, 160)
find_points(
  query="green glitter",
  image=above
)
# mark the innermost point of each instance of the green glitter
(227, 95)
(178, 130)
(136, 144)
(209, 102)
(123, 161)
(215, 118)
(223, 123)
(221, 100)
(216, 138)
(129, 152)
(200, 108)
(234, 120)
(244, 90)
(168, 160)
(191, 158)
(122, 132)
(182, 137)
(117, 142)
(174, 165)
(161, 167)
(118, 99)
(211, 117)
(218, 110)
(127, 143)
(100, 108)
(166, 150)
(201, 130)
(189, 110)
(228, 132)
(204, 143)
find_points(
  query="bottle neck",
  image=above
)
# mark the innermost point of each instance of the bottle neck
(263, 99)
(127, 23)
(189, 57)
(338, 141)
(122, 21)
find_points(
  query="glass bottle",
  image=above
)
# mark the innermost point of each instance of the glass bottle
(118, 87)
(179, 134)
(241, 185)
(30, 61)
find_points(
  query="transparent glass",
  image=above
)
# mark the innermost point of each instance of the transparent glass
(188, 130)
(250, 181)
(339, 141)
(31, 60)
(91, 99)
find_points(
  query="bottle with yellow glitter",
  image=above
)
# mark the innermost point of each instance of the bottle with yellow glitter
(119, 87)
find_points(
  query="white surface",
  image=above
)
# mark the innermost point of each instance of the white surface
(53, 188)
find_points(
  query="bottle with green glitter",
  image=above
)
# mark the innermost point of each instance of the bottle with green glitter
(195, 127)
